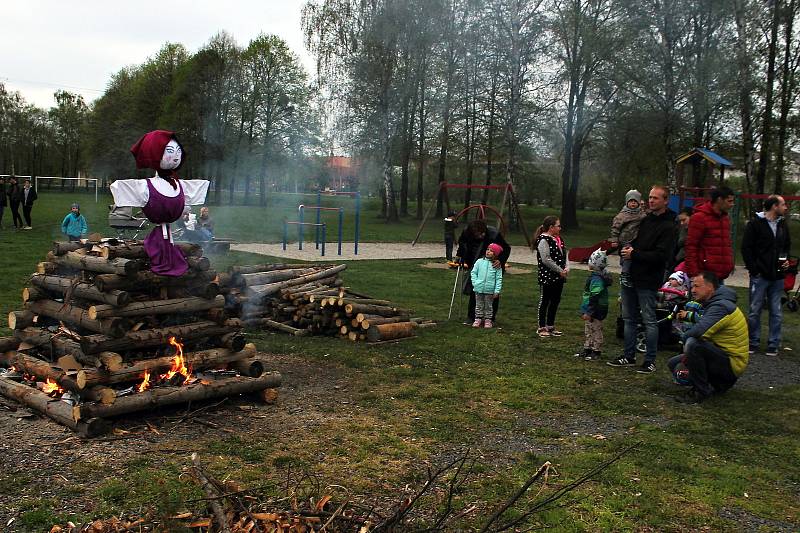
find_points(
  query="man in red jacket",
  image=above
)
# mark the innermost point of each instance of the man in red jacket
(708, 244)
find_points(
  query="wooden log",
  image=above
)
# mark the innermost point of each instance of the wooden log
(137, 251)
(161, 396)
(261, 291)
(134, 340)
(342, 301)
(123, 267)
(269, 396)
(156, 307)
(198, 360)
(55, 346)
(385, 332)
(114, 327)
(20, 319)
(201, 264)
(248, 367)
(262, 278)
(46, 267)
(61, 286)
(8, 343)
(34, 293)
(111, 361)
(104, 395)
(272, 324)
(235, 342)
(367, 321)
(252, 269)
(61, 248)
(381, 310)
(61, 412)
(148, 279)
(74, 381)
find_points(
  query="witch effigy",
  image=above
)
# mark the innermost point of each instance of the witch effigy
(162, 197)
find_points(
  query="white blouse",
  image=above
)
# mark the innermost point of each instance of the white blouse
(135, 193)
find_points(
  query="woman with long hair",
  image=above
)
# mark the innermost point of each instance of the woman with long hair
(551, 254)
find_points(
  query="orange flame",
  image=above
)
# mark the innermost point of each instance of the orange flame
(51, 386)
(145, 384)
(179, 363)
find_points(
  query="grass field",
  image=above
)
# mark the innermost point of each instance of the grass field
(513, 399)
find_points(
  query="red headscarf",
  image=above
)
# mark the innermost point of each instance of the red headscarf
(149, 149)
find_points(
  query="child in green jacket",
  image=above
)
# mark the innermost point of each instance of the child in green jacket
(74, 225)
(486, 283)
(594, 307)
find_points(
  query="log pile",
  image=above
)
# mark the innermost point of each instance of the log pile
(310, 299)
(100, 336)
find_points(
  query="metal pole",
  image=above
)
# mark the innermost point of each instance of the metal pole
(323, 240)
(341, 219)
(95, 190)
(285, 234)
(319, 215)
(300, 230)
(358, 220)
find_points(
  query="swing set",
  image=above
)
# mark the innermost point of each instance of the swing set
(482, 211)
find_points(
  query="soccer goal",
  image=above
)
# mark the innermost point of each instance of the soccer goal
(80, 182)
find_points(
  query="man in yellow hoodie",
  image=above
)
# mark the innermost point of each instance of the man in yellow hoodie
(715, 348)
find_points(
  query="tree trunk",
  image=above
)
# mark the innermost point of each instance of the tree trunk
(766, 123)
(137, 251)
(56, 346)
(787, 95)
(161, 396)
(421, 144)
(77, 316)
(63, 286)
(745, 79)
(385, 332)
(122, 267)
(136, 340)
(156, 307)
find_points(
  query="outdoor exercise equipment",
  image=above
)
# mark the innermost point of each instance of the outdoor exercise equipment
(301, 210)
(287, 223)
(509, 196)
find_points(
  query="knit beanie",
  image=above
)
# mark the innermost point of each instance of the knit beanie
(598, 260)
(633, 194)
(75, 205)
(495, 248)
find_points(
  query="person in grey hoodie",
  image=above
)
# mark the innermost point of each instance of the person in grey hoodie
(765, 249)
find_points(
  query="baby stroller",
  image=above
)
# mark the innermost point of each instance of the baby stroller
(670, 301)
(123, 221)
(792, 298)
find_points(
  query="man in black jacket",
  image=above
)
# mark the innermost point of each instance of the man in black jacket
(472, 244)
(3, 199)
(649, 252)
(12, 191)
(765, 249)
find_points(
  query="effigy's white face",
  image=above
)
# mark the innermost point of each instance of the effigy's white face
(172, 156)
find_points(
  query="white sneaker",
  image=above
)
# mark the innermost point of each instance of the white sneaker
(27, 227)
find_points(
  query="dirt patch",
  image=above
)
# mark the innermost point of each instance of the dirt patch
(747, 521)
(513, 270)
(764, 373)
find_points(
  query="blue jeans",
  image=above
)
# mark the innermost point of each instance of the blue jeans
(772, 290)
(640, 304)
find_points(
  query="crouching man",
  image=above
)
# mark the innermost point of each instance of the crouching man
(715, 348)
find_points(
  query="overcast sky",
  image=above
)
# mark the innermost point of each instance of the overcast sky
(77, 45)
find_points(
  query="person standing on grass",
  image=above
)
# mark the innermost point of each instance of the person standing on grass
(624, 228)
(594, 306)
(74, 225)
(472, 245)
(680, 244)
(765, 249)
(487, 281)
(551, 256)
(27, 197)
(714, 349)
(3, 199)
(649, 254)
(13, 194)
(708, 242)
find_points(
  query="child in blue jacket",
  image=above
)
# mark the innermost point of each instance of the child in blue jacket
(486, 283)
(594, 306)
(74, 225)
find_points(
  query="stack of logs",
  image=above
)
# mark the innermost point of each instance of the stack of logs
(309, 299)
(97, 323)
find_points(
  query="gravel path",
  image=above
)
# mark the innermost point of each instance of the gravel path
(400, 250)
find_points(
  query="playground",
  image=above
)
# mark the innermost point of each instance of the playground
(367, 421)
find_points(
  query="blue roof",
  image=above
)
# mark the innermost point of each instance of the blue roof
(707, 154)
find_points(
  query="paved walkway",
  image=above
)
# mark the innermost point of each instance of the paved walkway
(399, 250)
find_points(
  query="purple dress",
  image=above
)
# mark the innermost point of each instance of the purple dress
(166, 259)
